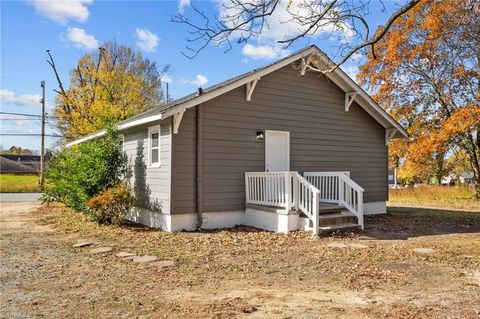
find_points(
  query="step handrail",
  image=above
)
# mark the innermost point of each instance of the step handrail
(307, 199)
(339, 188)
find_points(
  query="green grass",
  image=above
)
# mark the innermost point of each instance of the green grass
(10, 183)
(454, 197)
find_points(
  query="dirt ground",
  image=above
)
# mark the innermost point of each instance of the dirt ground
(240, 273)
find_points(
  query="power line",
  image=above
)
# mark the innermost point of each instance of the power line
(17, 119)
(25, 114)
(29, 134)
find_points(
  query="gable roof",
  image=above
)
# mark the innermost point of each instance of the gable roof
(340, 78)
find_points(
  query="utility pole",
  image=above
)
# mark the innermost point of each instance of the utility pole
(168, 99)
(42, 147)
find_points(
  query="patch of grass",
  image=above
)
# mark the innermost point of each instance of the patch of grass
(455, 197)
(10, 183)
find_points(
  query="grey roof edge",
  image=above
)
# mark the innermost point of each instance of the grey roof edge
(158, 111)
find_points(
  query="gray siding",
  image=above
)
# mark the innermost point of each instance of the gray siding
(323, 137)
(151, 184)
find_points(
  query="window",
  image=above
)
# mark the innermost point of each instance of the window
(154, 146)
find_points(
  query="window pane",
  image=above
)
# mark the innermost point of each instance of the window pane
(154, 139)
(154, 156)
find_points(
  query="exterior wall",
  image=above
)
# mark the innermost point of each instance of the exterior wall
(184, 165)
(323, 137)
(151, 184)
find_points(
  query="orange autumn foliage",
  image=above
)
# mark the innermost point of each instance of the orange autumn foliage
(425, 72)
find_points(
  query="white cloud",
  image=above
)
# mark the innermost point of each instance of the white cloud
(199, 80)
(266, 52)
(146, 40)
(9, 97)
(81, 39)
(182, 4)
(281, 26)
(356, 57)
(166, 79)
(61, 11)
(351, 70)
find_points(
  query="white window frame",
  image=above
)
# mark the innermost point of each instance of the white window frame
(152, 130)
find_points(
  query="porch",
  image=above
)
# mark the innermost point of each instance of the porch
(320, 202)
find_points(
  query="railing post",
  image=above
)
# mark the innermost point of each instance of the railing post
(341, 190)
(360, 210)
(293, 178)
(288, 191)
(316, 202)
(247, 190)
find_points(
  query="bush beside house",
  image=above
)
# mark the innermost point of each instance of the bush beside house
(95, 171)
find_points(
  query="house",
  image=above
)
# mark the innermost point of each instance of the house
(276, 148)
(467, 178)
(9, 166)
(32, 161)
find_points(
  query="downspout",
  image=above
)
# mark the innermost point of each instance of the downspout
(199, 166)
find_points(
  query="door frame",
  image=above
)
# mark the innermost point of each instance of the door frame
(288, 146)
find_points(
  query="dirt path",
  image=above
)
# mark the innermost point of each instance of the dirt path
(239, 273)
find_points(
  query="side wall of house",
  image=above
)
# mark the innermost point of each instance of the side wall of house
(323, 137)
(152, 185)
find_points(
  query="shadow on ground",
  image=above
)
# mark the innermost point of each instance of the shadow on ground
(406, 222)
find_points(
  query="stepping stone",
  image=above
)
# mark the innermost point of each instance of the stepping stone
(144, 259)
(163, 263)
(83, 244)
(358, 246)
(424, 250)
(101, 250)
(124, 254)
(337, 245)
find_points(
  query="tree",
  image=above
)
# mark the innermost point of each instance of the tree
(109, 85)
(77, 174)
(241, 20)
(426, 73)
(17, 150)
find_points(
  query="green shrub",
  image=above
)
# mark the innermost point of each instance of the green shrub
(111, 205)
(77, 174)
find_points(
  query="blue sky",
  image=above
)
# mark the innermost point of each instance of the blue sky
(71, 28)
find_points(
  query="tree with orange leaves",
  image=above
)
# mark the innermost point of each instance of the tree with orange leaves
(426, 72)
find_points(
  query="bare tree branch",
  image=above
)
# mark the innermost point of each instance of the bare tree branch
(242, 20)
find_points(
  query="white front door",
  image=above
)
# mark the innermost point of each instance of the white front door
(277, 151)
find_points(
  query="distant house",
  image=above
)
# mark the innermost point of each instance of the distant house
(276, 148)
(8, 166)
(32, 161)
(467, 178)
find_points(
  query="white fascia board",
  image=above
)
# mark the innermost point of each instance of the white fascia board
(86, 138)
(120, 127)
(145, 120)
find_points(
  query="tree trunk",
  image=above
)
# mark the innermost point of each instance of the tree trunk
(439, 161)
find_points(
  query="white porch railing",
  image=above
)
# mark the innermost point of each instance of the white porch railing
(288, 190)
(339, 188)
(269, 189)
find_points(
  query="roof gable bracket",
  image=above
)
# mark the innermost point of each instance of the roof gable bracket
(177, 118)
(349, 97)
(250, 87)
(389, 133)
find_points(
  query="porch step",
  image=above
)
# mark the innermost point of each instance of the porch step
(334, 219)
(338, 227)
(327, 208)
